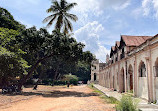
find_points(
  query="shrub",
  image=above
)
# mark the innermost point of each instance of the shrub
(127, 104)
(59, 82)
(47, 81)
(73, 79)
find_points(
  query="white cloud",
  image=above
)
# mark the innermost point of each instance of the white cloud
(97, 6)
(155, 3)
(89, 35)
(94, 8)
(146, 7)
(136, 13)
(150, 7)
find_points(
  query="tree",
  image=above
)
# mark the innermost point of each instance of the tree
(10, 67)
(11, 62)
(63, 49)
(7, 21)
(67, 52)
(72, 79)
(82, 71)
(61, 15)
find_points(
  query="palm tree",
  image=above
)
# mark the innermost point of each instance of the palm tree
(60, 14)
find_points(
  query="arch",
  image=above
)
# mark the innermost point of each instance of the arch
(142, 69)
(130, 77)
(142, 81)
(156, 68)
(95, 76)
(122, 81)
(117, 81)
(109, 78)
(156, 78)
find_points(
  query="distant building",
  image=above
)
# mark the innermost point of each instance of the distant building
(132, 67)
(95, 67)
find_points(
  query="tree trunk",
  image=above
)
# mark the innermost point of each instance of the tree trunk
(36, 85)
(25, 78)
(55, 75)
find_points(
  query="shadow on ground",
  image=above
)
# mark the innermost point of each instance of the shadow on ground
(56, 94)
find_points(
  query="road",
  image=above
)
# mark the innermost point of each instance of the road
(47, 98)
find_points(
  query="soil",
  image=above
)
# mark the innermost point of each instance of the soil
(58, 98)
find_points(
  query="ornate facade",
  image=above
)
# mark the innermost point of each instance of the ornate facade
(132, 67)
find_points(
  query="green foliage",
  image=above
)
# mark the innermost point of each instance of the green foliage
(11, 62)
(10, 66)
(47, 81)
(73, 79)
(8, 40)
(58, 53)
(59, 82)
(82, 71)
(127, 103)
(7, 21)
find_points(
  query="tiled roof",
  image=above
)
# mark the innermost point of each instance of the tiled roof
(113, 48)
(134, 40)
(118, 43)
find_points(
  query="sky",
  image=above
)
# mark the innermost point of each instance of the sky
(100, 22)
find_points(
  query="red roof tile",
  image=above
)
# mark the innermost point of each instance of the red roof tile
(113, 48)
(118, 43)
(135, 40)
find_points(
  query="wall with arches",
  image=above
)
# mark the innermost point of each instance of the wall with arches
(154, 60)
(137, 72)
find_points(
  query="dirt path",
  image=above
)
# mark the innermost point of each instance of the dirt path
(46, 98)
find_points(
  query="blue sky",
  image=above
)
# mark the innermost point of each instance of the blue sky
(101, 22)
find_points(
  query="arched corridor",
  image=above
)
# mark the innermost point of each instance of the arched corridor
(142, 81)
(156, 78)
(122, 81)
(95, 76)
(130, 77)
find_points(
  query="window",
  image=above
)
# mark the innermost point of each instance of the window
(123, 54)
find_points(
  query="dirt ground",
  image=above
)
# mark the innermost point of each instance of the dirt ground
(48, 98)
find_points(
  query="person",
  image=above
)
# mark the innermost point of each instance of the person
(68, 84)
(35, 87)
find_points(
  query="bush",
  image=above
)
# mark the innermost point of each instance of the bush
(73, 79)
(29, 82)
(47, 82)
(127, 104)
(59, 82)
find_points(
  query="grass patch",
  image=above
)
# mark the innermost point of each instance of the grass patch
(107, 99)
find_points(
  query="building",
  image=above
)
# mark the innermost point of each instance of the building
(95, 66)
(132, 67)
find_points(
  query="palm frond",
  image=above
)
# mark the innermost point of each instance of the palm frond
(56, 3)
(71, 16)
(51, 21)
(63, 4)
(69, 6)
(59, 12)
(52, 9)
(69, 24)
(48, 18)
